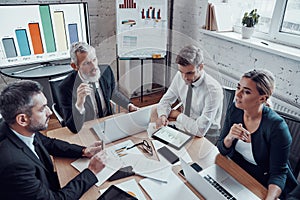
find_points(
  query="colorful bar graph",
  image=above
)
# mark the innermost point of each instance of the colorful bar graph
(128, 4)
(73, 33)
(9, 47)
(60, 30)
(151, 13)
(47, 28)
(36, 39)
(23, 42)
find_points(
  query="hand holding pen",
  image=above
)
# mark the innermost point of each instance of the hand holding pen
(237, 132)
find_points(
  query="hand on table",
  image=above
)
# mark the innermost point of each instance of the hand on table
(162, 121)
(132, 108)
(97, 162)
(92, 149)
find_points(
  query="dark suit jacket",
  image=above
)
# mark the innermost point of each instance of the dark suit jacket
(68, 96)
(24, 176)
(295, 194)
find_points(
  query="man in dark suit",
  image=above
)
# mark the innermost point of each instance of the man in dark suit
(79, 90)
(26, 169)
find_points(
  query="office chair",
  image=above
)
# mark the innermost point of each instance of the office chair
(227, 100)
(56, 106)
(229, 94)
(293, 123)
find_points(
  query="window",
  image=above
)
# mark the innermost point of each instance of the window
(291, 20)
(279, 19)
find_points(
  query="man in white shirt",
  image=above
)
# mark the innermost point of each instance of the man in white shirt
(204, 108)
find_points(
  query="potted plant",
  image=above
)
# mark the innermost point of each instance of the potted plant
(249, 20)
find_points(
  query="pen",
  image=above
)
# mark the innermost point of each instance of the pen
(177, 106)
(264, 43)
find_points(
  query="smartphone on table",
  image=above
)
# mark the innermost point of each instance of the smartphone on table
(168, 154)
(195, 166)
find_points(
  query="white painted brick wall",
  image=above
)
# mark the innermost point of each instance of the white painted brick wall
(236, 59)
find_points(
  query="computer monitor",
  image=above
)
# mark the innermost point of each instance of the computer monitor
(42, 33)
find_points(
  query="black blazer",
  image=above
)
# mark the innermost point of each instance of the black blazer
(68, 96)
(24, 176)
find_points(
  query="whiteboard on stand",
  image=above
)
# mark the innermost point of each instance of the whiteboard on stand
(142, 28)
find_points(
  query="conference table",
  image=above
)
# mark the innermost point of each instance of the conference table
(201, 150)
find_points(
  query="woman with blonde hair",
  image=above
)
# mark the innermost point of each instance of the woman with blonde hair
(256, 137)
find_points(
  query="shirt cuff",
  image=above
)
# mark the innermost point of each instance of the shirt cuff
(161, 113)
(81, 111)
(130, 104)
(180, 118)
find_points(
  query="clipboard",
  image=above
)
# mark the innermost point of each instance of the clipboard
(173, 137)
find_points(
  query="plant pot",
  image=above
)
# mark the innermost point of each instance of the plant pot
(247, 32)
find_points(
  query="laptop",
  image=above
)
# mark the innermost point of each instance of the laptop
(122, 126)
(215, 183)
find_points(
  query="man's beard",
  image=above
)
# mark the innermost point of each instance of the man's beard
(91, 78)
(38, 127)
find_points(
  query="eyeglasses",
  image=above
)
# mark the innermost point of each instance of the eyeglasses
(145, 145)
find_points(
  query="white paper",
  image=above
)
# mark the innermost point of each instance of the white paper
(130, 186)
(114, 160)
(111, 166)
(173, 189)
(143, 166)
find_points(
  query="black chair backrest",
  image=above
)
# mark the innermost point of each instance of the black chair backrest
(293, 123)
(228, 99)
(54, 83)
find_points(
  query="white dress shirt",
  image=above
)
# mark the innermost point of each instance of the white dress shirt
(27, 140)
(245, 149)
(206, 105)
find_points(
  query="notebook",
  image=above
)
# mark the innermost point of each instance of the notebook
(215, 183)
(122, 126)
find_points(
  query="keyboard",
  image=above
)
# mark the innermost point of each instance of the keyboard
(216, 185)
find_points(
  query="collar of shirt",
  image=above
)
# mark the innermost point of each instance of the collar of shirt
(27, 140)
(200, 80)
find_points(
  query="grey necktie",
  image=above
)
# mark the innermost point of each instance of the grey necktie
(187, 108)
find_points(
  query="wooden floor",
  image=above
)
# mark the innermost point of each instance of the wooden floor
(147, 100)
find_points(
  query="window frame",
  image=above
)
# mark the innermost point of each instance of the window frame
(276, 23)
(274, 34)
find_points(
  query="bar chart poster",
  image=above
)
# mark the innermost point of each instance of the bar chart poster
(39, 33)
(142, 28)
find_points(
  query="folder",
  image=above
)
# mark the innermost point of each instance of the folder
(218, 17)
